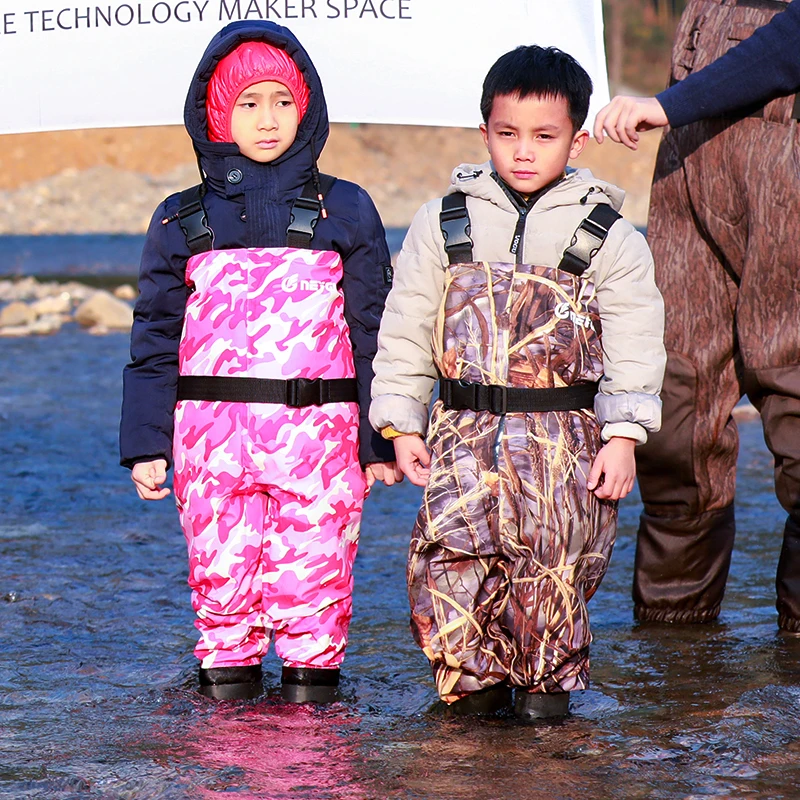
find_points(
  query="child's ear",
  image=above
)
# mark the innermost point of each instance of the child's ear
(578, 143)
(484, 133)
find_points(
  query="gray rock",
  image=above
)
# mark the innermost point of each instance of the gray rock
(104, 310)
(15, 314)
(60, 303)
(126, 292)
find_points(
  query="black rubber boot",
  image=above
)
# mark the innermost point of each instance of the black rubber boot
(487, 701)
(537, 705)
(231, 683)
(309, 685)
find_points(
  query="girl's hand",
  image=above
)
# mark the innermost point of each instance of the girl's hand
(388, 472)
(147, 476)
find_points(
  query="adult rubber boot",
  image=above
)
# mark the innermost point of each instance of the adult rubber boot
(309, 685)
(538, 705)
(231, 683)
(485, 702)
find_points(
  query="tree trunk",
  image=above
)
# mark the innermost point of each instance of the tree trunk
(616, 42)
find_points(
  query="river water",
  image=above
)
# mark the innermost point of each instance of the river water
(97, 675)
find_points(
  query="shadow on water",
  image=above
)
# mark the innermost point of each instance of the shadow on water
(96, 671)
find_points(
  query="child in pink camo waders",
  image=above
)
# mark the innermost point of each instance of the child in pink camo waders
(261, 292)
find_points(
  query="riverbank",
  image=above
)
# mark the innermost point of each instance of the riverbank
(111, 180)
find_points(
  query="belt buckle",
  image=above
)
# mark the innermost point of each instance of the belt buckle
(498, 399)
(302, 392)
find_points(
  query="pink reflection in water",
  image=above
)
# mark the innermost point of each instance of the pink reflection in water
(272, 751)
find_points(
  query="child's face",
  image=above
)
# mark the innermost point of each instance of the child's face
(264, 121)
(531, 140)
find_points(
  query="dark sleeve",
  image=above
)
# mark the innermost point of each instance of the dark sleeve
(150, 380)
(762, 67)
(365, 285)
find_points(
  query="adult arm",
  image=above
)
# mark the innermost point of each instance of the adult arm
(764, 66)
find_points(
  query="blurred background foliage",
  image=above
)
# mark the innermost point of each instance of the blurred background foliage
(638, 36)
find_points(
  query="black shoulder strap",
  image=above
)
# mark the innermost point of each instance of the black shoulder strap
(193, 220)
(588, 239)
(306, 211)
(456, 227)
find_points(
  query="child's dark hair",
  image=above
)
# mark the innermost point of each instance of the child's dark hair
(541, 72)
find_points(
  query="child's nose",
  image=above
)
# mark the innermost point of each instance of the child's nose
(267, 119)
(525, 151)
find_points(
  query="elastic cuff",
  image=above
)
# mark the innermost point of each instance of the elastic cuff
(790, 624)
(676, 616)
(392, 433)
(626, 430)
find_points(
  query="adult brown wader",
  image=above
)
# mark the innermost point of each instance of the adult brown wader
(724, 229)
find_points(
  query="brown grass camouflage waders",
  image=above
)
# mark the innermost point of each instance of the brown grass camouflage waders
(509, 544)
(724, 229)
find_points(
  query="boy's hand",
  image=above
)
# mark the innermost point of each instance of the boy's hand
(147, 476)
(388, 472)
(616, 466)
(413, 458)
(625, 116)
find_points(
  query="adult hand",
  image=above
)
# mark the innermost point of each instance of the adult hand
(413, 458)
(147, 476)
(624, 117)
(388, 472)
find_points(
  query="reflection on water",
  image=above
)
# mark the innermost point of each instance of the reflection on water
(96, 671)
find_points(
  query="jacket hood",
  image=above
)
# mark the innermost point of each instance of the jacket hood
(294, 167)
(476, 180)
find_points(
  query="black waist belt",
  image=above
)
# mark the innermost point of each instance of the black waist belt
(297, 392)
(504, 399)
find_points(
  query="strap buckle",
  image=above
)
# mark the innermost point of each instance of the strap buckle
(498, 399)
(193, 220)
(301, 392)
(456, 227)
(304, 216)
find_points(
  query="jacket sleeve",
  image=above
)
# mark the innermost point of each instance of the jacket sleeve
(764, 66)
(404, 368)
(632, 318)
(150, 380)
(366, 281)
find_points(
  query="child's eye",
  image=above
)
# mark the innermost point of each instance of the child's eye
(506, 133)
(247, 104)
(284, 103)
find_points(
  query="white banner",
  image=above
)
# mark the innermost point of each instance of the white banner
(68, 64)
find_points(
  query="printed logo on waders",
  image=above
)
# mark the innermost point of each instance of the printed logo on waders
(564, 311)
(291, 283)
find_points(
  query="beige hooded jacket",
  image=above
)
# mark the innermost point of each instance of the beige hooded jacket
(630, 305)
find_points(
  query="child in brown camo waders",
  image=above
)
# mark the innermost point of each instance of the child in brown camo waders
(501, 291)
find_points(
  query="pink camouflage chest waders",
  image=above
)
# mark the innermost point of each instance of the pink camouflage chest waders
(270, 494)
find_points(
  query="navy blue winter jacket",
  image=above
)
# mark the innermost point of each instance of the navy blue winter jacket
(250, 211)
(764, 66)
